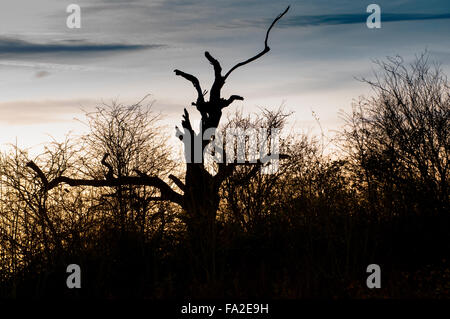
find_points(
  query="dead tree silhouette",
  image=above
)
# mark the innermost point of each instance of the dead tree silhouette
(200, 198)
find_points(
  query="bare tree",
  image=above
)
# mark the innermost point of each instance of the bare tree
(400, 136)
(200, 189)
(31, 220)
(248, 193)
(131, 139)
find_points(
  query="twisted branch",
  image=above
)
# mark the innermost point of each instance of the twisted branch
(195, 83)
(167, 193)
(264, 51)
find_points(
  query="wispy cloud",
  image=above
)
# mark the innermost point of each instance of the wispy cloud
(358, 18)
(51, 66)
(9, 46)
(336, 19)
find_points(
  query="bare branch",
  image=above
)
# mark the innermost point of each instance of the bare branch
(195, 83)
(177, 182)
(39, 172)
(219, 80)
(215, 63)
(227, 169)
(186, 122)
(231, 100)
(167, 193)
(110, 173)
(264, 51)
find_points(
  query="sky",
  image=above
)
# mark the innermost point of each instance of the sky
(126, 50)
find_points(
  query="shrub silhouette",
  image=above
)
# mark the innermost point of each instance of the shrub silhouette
(309, 230)
(400, 137)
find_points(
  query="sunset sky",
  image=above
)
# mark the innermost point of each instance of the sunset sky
(128, 49)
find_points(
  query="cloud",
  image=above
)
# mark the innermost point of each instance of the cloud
(53, 66)
(358, 18)
(337, 19)
(13, 46)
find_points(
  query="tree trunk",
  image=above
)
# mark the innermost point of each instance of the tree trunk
(201, 202)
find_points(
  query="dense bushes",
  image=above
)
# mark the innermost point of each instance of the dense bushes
(310, 230)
